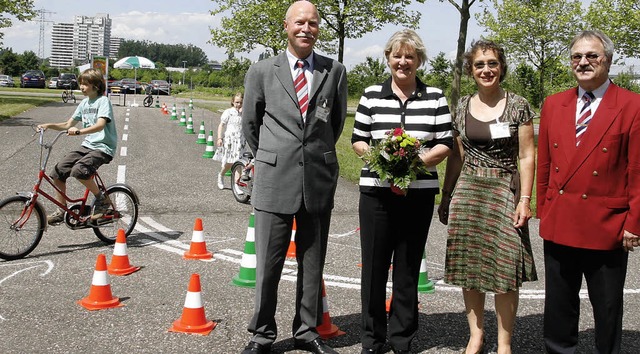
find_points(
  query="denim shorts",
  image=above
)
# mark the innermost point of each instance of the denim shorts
(81, 164)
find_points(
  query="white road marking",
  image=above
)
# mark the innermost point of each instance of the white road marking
(125, 137)
(122, 171)
(123, 151)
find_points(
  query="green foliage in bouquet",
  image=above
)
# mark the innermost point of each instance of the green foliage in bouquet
(396, 159)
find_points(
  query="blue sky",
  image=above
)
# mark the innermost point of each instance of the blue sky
(173, 22)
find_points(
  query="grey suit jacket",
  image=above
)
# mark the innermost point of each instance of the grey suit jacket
(294, 159)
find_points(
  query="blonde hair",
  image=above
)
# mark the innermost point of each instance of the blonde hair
(409, 38)
(239, 95)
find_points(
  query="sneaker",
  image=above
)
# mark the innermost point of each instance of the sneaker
(100, 207)
(220, 181)
(56, 218)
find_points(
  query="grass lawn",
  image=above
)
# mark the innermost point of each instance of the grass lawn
(14, 105)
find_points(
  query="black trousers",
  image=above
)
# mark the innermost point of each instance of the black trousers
(392, 228)
(605, 272)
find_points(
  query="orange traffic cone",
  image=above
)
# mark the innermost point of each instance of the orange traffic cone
(388, 303)
(100, 296)
(291, 252)
(193, 319)
(326, 329)
(120, 261)
(198, 248)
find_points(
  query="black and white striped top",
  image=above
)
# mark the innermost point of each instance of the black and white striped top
(425, 116)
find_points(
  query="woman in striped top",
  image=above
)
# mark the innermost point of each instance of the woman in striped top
(394, 227)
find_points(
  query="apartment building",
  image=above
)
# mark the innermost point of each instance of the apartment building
(75, 43)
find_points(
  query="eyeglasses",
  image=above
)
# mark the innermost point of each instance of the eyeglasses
(491, 64)
(591, 57)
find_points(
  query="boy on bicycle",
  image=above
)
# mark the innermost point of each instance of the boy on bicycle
(98, 147)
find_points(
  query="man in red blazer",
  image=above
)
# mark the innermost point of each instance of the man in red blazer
(588, 196)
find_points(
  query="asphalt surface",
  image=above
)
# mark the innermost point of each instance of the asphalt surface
(38, 307)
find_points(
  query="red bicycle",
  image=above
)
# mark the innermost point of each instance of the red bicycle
(23, 219)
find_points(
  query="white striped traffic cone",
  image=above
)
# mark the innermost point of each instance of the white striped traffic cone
(193, 319)
(198, 248)
(100, 296)
(247, 276)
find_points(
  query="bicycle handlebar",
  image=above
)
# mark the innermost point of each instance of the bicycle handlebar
(41, 141)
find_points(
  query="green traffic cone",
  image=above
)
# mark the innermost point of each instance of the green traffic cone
(183, 119)
(202, 135)
(247, 276)
(424, 284)
(189, 129)
(210, 149)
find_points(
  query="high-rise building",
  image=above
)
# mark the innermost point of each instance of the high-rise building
(115, 46)
(75, 43)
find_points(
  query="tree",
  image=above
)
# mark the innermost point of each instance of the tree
(370, 72)
(22, 10)
(28, 60)
(441, 73)
(536, 32)
(164, 54)
(620, 20)
(9, 64)
(341, 19)
(465, 14)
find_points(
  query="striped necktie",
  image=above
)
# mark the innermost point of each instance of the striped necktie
(585, 116)
(302, 89)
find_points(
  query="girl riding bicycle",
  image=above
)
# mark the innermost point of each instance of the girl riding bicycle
(98, 147)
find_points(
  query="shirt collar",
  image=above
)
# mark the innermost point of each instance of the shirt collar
(597, 93)
(421, 89)
(293, 59)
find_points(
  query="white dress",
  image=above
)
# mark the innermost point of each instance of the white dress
(233, 141)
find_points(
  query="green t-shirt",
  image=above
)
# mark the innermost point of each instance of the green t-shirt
(88, 111)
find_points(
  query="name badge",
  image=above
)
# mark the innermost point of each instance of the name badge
(322, 112)
(500, 130)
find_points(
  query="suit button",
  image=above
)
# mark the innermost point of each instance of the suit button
(557, 169)
(300, 163)
(555, 145)
(561, 192)
(604, 150)
(595, 173)
(584, 196)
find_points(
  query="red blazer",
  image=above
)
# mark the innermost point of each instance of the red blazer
(587, 195)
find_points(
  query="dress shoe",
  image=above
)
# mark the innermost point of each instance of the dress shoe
(371, 351)
(256, 348)
(400, 351)
(315, 346)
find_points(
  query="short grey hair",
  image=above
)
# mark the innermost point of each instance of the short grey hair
(409, 38)
(607, 43)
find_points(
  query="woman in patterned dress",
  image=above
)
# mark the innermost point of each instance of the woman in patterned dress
(233, 141)
(488, 246)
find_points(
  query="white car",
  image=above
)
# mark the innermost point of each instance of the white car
(6, 80)
(53, 82)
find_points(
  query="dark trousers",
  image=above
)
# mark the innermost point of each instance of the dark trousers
(273, 234)
(605, 272)
(392, 228)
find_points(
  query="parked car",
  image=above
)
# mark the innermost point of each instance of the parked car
(131, 85)
(6, 81)
(159, 87)
(68, 80)
(33, 78)
(53, 82)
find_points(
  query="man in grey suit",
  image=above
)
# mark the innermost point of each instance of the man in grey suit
(296, 167)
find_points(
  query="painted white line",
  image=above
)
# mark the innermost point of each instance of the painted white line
(123, 151)
(126, 120)
(126, 127)
(149, 221)
(122, 171)
(125, 137)
(345, 234)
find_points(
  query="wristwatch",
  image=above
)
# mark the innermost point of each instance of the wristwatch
(77, 132)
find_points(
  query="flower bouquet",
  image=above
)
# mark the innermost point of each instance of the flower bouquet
(395, 159)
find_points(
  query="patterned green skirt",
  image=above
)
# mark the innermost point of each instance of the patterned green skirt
(485, 252)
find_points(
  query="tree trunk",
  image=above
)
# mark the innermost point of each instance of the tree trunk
(341, 41)
(457, 68)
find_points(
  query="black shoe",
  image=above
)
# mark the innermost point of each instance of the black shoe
(315, 346)
(256, 348)
(371, 351)
(400, 351)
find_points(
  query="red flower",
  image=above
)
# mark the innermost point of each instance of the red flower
(397, 132)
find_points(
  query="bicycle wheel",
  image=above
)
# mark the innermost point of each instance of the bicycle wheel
(65, 96)
(17, 242)
(123, 217)
(73, 97)
(148, 101)
(236, 172)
